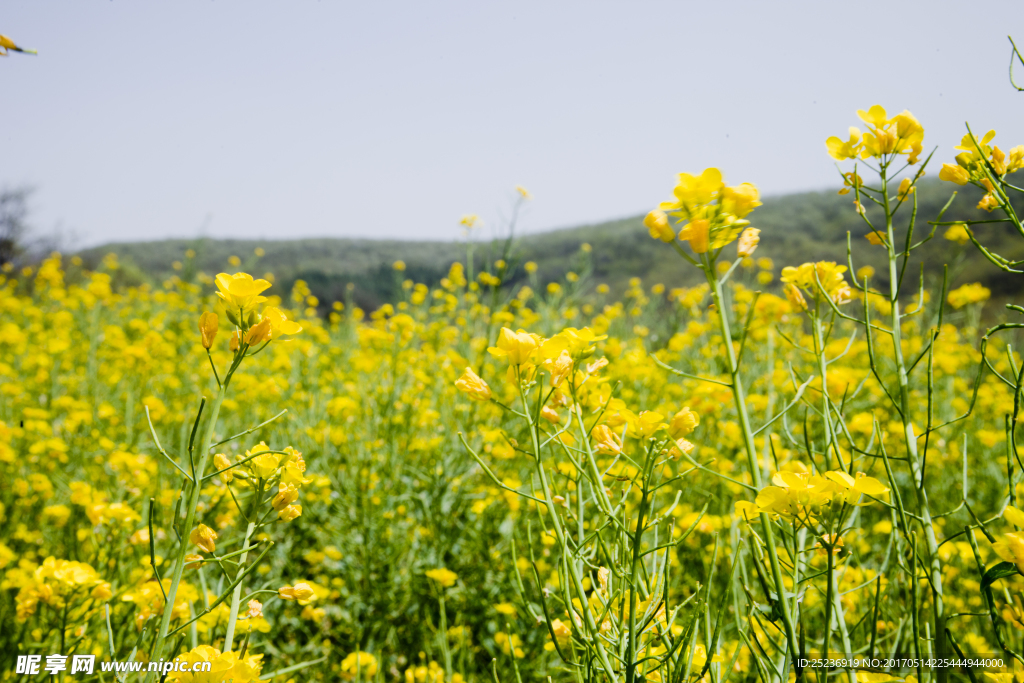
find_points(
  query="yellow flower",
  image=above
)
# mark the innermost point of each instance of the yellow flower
(208, 328)
(505, 608)
(286, 495)
(906, 189)
(1010, 548)
(901, 134)
(289, 513)
(279, 324)
(473, 386)
(876, 238)
(264, 465)
(988, 202)
(692, 191)
(795, 297)
(741, 199)
(679, 448)
(8, 44)
(968, 294)
(855, 487)
(697, 233)
(798, 495)
(954, 174)
(1014, 516)
(683, 423)
(808, 277)
(850, 179)
(470, 220)
(445, 577)
(646, 424)
(748, 242)
(204, 537)
(559, 368)
(300, 591)
(240, 292)
(259, 333)
(359, 664)
(657, 224)
(874, 117)
(225, 666)
(220, 462)
(523, 192)
(398, 265)
(562, 631)
(606, 442)
(510, 645)
(958, 233)
(840, 150)
(255, 609)
(102, 592)
(517, 347)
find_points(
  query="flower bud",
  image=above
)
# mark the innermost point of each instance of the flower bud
(657, 224)
(208, 325)
(300, 591)
(220, 461)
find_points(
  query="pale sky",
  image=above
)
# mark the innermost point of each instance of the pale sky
(143, 120)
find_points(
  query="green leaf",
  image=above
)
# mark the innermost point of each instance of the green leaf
(996, 572)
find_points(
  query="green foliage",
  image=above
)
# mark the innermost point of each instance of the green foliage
(806, 226)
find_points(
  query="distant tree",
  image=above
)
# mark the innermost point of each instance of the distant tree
(13, 222)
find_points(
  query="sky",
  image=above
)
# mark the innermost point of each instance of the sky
(275, 120)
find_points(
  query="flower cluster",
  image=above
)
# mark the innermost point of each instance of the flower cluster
(887, 136)
(708, 214)
(800, 495)
(814, 279)
(57, 582)
(978, 163)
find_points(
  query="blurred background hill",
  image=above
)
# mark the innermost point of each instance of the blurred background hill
(794, 228)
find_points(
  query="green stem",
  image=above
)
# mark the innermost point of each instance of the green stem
(190, 518)
(752, 461)
(634, 571)
(443, 639)
(563, 542)
(826, 411)
(828, 609)
(938, 608)
(236, 596)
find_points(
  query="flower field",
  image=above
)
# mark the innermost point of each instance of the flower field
(791, 461)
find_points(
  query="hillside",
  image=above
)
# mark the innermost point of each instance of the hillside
(794, 228)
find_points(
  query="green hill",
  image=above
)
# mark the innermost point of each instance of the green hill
(794, 228)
